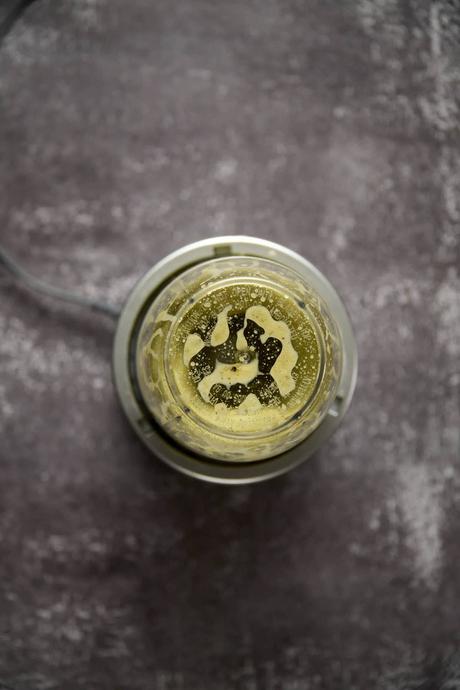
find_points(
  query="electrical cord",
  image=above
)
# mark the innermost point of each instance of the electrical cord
(41, 286)
(6, 260)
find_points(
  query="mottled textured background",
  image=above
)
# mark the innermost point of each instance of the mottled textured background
(126, 130)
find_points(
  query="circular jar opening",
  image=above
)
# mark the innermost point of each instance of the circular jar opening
(238, 359)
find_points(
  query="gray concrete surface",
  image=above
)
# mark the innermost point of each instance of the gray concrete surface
(126, 130)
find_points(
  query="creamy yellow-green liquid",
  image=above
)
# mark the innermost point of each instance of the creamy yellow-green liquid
(238, 360)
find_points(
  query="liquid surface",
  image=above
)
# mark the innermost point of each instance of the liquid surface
(240, 366)
(236, 359)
